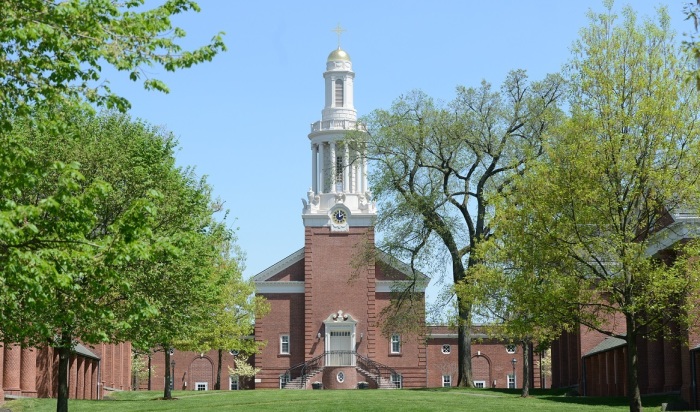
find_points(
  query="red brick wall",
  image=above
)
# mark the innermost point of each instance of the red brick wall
(490, 362)
(190, 368)
(286, 316)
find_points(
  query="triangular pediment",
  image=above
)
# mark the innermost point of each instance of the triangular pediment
(269, 274)
(394, 274)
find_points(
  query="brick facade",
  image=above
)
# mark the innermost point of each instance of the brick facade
(491, 360)
(190, 369)
(33, 372)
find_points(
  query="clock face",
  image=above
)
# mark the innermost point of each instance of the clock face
(339, 217)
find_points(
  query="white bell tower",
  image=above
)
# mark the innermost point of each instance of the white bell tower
(339, 196)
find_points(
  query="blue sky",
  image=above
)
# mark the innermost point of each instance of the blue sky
(243, 119)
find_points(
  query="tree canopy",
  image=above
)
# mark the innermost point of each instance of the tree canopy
(434, 166)
(72, 223)
(584, 227)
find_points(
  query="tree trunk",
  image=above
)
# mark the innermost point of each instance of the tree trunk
(63, 365)
(149, 371)
(526, 369)
(464, 346)
(167, 392)
(217, 384)
(633, 392)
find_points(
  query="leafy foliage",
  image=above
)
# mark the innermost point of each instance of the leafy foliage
(52, 52)
(436, 165)
(583, 231)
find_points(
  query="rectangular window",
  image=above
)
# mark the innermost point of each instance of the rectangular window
(233, 382)
(338, 93)
(201, 386)
(480, 384)
(395, 343)
(446, 381)
(511, 381)
(284, 345)
(397, 380)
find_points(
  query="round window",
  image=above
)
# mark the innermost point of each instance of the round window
(341, 377)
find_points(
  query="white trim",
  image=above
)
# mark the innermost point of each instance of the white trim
(206, 386)
(289, 345)
(231, 380)
(483, 384)
(685, 225)
(279, 266)
(394, 285)
(446, 381)
(273, 287)
(446, 346)
(391, 343)
(515, 380)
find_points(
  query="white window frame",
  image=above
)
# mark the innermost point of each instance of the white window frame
(284, 340)
(395, 343)
(511, 349)
(446, 381)
(204, 384)
(397, 380)
(231, 380)
(512, 382)
(446, 349)
(480, 384)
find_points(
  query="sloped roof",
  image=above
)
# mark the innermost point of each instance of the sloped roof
(606, 345)
(421, 278)
(262, 279)
(279, 266)
(82, 350)
(685, 224)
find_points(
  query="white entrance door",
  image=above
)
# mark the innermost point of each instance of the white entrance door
(340, 348)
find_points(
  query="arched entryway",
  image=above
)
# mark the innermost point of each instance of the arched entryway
(201, 374)
(481, 371)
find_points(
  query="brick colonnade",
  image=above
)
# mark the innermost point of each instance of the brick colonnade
(33, 372)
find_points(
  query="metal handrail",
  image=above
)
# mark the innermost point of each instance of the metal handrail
(378, 371)
(382, 372)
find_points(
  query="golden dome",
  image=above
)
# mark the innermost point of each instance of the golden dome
(338, 55)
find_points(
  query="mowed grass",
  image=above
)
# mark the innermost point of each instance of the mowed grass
(349, 400)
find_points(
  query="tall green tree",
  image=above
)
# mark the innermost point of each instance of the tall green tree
(585, 222)
(232, 325)
(435, 165)
(160, 217)
(51, 55)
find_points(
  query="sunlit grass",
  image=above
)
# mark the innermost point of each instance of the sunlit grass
(348, 400)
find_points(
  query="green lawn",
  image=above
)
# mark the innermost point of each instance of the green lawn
(354, 400)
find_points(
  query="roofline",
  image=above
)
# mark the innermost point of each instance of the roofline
(277, 267)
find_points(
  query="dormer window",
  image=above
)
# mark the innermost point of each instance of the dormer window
(339, 93)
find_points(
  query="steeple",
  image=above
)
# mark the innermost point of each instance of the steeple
(339, 195)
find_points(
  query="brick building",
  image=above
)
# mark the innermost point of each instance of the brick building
(193, 371)
(94, 371)
(595, 364)
(325, 300)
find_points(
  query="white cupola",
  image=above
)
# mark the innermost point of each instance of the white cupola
(339, 196)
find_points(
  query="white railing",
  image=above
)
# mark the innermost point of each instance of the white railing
(340, 358)
(337, 125)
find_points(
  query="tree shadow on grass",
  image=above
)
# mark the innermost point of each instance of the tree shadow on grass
(560, 396)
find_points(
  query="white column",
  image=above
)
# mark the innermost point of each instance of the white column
(314, 168)
(346, 169)
(363, 172)
(320, 176)
(333, 160)
(356, 172)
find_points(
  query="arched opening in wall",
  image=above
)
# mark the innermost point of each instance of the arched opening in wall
(339, 102)
(201, 371)
(481, 371)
